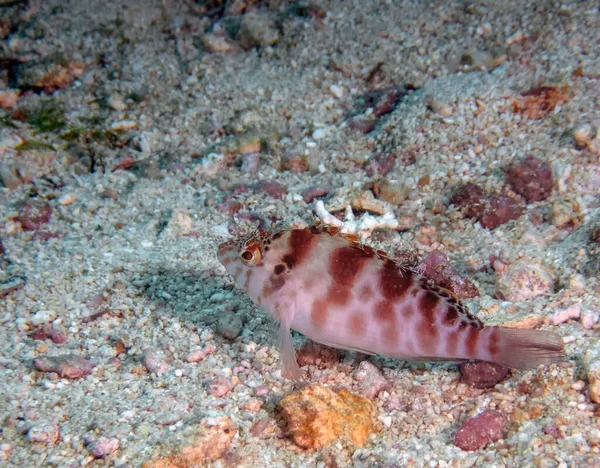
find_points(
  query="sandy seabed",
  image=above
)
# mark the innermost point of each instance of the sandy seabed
(136, 136)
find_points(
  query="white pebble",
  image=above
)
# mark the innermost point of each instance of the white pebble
(178, 372)
(579, 385)
(336, 90)
(43, 316)
(589, 319)
(123, 125)
(67, 199)
(568, 339)
(128, 414)
(117, 103)
(386, 420)
(318, 133)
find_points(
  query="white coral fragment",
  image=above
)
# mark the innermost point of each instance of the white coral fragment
(362, 227)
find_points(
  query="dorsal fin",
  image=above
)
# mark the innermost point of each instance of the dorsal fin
(452, 299)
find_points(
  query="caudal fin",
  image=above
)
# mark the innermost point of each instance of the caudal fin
(522, 348)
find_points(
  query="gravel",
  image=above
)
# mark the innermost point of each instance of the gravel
(134, 138)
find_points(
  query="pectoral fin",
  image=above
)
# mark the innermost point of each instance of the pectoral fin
(287, 355)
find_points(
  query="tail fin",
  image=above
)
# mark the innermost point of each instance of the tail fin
(522, 348)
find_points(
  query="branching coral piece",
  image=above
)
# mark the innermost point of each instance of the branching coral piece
(363, 226)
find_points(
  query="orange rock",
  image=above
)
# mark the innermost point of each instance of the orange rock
(208, 443)
(317, 416)
(60, 77)
(537, 103)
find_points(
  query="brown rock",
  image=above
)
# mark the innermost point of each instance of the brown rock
(383, 100)
(500, 209)
(294, 162)
(437, 267)
(381, 164)
(34, 213)
(270, 187)
(531, 178)
(59, 77)
(317, 416)
(47, 332)
(469, 199)
(480, 431)
(68, 365)
(257, 30)
(537, 103)
(363, 125)
(208, 443)
(316, 191)
(482, 374)
(393, 191)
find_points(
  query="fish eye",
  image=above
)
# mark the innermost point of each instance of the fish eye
(246, 255)
(251, 255)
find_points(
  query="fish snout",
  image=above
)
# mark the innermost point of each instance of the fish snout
(224, 250)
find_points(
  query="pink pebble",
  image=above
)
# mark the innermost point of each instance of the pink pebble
(103, 447)
(259, 426)
(250, 162)
(316, 191)
(230, 207)
(480, 431)
(370, 380)
(270, 187)
(154, 361)
(44, 433)
(47, 332)
(220, 387)
(199, 354)
(554, 431)
(570, 313)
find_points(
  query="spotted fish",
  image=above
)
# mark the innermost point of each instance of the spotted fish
(347, 295)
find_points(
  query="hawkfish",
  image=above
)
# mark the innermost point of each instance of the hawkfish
(347, 295)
